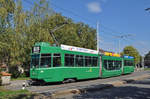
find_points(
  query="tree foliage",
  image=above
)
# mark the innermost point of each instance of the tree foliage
(131, 51)
(20, 29)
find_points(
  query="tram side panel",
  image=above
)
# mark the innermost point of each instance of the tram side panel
(80, 65)
(128, 65)
(111, 66)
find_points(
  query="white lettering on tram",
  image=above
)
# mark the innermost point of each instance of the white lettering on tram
(78, 49)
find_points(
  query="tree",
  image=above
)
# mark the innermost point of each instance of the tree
(7, 8)
(33, 31)
(87, 35)
(20, 29)
(147, 59)
(75, 34)
(17, 25)
(131, 51)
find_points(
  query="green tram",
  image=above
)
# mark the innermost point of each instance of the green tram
(68, 63)
(128, 66)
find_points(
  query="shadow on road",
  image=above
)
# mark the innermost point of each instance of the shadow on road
(119, 92)
(139, 90)
(141, 82)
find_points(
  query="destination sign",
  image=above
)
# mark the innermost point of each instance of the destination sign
(36, 49)
(78, 49)
(111, 54)
(130, 57)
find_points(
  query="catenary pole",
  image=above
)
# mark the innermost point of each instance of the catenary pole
(97, 36)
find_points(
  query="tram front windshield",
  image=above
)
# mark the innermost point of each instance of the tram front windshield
(35, 61)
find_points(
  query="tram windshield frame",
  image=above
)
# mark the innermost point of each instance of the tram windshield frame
(35, 60)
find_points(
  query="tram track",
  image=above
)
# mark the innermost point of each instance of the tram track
(99, 86)
(80, 86)
(91, 85)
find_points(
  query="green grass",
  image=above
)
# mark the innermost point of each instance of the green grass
(20, 94)
(21, 78)
(146, 68)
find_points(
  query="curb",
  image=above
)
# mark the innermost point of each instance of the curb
(97, 87)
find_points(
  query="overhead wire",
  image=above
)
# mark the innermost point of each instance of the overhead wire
(111, 32)
(143, 46)
(86, 19)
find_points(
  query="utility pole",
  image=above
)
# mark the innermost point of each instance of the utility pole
(119, 40)
(119, 46)
(98, 48)
(97, 36)
(143, 62)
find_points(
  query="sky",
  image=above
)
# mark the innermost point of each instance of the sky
(126, 18)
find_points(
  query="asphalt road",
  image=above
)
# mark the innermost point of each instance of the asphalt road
(135, 90)
(82, 84)
(17, 85)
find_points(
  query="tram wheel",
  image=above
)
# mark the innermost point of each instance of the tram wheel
(70, 80)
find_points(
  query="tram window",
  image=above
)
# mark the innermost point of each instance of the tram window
(88, 62)
(95, 61)
(56, 60)
(110, 64)
(69, 60)
(120, 64)
(105, 64)
(132, 63)
(128, 63)
(45, 60)
(125, 63)
(116, 65)
(79, 60)
(35, 60)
